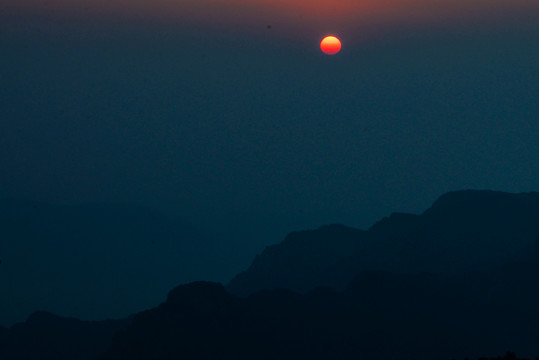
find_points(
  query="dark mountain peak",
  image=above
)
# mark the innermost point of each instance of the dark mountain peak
(469, 201)
(41, 317)
(43, 321)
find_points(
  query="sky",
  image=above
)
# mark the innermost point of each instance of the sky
(201, 109)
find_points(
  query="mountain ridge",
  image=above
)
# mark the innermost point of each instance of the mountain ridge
(379, 315)
(116, 253)
(393, 305)
(462, 231)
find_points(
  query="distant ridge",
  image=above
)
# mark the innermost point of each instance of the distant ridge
(470, 230)
(120, 258)
(466, 201)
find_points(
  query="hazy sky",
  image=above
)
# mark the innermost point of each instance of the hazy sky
(198, 107)
(297, 17)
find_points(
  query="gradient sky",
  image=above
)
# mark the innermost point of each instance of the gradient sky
(296, 16)
(200, 109)
(101, 104)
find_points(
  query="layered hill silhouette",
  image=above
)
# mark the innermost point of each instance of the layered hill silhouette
(378, 316)
(459, 280)
(93, 261)
(47, 336)
(463, 231)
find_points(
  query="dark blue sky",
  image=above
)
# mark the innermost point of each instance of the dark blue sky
(249, 123)
(251, 132)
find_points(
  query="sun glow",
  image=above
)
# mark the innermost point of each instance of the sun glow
(330, 45)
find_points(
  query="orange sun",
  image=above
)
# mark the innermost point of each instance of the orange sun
(330, 45)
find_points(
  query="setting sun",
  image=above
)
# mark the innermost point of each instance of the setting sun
(330, 45)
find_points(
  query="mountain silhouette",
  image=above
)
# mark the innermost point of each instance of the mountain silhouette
(457, 281)
(463, 231)
(93, 261)
(379, 315)
(46, 336)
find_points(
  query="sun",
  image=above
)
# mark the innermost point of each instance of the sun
(330, 45)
